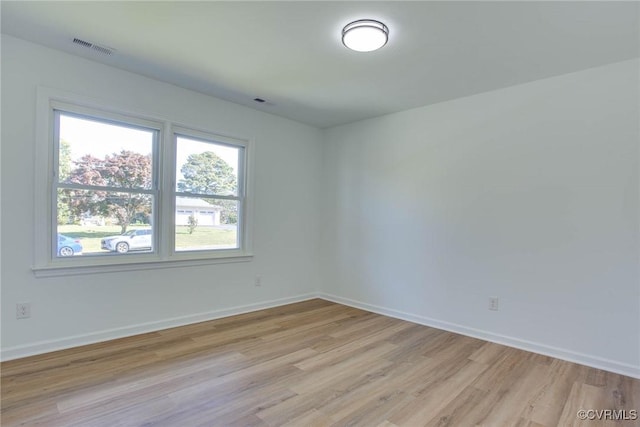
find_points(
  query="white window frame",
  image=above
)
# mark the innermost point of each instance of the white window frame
(46, 261)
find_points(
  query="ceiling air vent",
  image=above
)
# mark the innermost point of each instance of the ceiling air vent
(100, 49)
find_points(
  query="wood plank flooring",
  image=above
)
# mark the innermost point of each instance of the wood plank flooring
(314, 363)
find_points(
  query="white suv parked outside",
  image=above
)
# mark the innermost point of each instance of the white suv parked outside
(129, 241)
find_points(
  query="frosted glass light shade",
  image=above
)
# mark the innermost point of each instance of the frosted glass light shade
(365, 35)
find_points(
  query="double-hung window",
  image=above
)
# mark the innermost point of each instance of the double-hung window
(209, 192)
(105, 184)
(120, 191)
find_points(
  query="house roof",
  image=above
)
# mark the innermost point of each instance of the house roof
(188, 202)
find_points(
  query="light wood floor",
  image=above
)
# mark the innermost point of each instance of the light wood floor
(313, 363)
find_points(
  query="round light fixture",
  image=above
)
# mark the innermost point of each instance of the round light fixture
(365, 35)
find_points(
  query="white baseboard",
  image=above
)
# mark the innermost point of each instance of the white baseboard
(110, 334)
(41, 347)
(559, 353)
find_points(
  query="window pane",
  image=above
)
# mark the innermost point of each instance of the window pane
(206, 224)
(99, 153)
(102, 223)
(206, 168)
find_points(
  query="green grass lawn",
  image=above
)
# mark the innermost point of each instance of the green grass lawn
(205, 237)
(202, 237)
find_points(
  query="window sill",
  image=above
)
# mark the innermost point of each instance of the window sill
(116, 267)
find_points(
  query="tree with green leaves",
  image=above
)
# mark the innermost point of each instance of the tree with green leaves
(207, 173)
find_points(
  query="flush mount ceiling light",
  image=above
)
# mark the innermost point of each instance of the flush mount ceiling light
(365, 35)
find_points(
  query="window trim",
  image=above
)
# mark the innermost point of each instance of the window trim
(45, 262)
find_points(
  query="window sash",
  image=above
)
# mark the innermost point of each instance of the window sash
(109, 119)
(214, 140)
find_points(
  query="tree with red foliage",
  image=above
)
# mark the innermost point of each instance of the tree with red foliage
(126, 170)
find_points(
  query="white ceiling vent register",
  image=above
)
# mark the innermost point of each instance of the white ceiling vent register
(100, 49)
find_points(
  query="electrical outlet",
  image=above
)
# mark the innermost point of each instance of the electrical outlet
(23, 311)
(493, 303)
(258, 281)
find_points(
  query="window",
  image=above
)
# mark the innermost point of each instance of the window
(105, 183)
(124, 192)
(208, 174)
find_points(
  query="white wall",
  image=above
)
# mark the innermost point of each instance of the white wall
(528, 193)
(76, 309)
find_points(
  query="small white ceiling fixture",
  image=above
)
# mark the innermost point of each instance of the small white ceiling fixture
(365, 35)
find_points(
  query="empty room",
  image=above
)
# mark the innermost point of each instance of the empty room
(316, 213)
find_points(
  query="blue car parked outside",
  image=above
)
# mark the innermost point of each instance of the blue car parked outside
(68, 246)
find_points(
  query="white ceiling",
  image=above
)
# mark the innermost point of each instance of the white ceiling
(290, 53)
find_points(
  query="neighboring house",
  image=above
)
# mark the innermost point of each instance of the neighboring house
(205, 213)
(185, 207)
